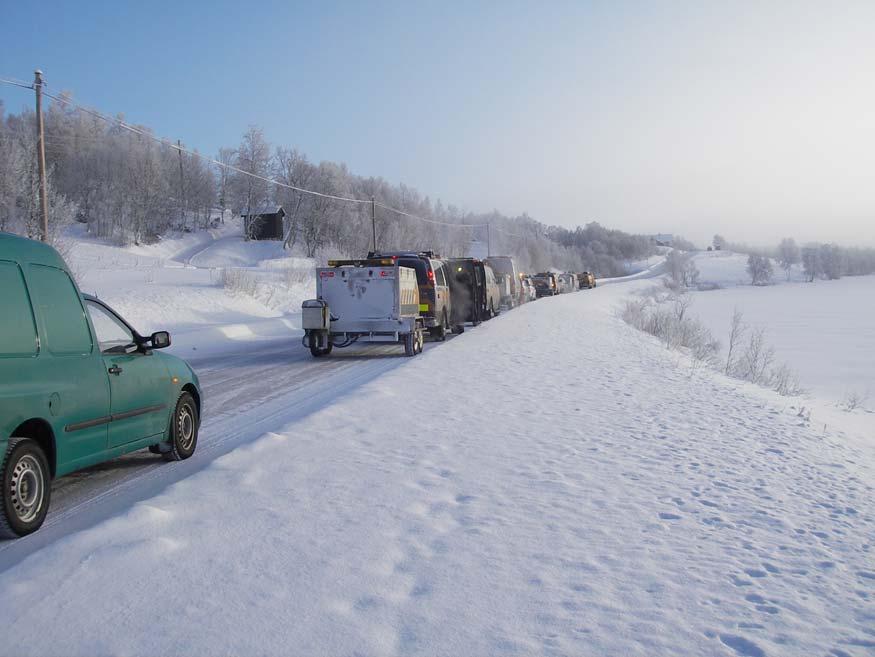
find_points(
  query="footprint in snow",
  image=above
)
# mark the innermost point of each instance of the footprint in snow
(669, 516)
(755, 598)
(742, 646)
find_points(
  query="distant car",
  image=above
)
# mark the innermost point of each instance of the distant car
(507, 276)
(435, 302)
(527, 289)
(568, 282)
(586, 280)
(546, 284)
(78, 385)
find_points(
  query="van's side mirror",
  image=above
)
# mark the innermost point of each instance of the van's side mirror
(160, 339)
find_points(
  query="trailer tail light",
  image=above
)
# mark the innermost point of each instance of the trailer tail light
(384, 273)
(326, 274)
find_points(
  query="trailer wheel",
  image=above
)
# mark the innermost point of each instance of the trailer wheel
(315, 349)
(410, 344)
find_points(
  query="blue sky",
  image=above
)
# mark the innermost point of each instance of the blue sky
(749, 119)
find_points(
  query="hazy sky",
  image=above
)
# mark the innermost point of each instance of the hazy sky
(752, 119)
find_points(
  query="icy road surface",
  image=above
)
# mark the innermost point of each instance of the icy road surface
(250, 387)
(520, 490)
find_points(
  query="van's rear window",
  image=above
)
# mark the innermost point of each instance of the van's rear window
(17, 328)
(420, 267)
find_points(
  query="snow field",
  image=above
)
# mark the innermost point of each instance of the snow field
(524, 489)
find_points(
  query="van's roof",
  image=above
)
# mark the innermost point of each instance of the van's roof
(21, 249)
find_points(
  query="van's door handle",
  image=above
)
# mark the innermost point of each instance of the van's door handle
(115, 369)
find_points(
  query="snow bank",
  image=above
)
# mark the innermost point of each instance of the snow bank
(524, 489)
(177, 284)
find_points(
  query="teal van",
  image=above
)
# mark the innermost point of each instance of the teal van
(78, 385)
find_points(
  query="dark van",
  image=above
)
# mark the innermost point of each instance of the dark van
(475, 293)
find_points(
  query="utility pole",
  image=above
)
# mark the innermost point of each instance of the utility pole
(488, 239)
(41, 156)
(181, 184)
(374, 221)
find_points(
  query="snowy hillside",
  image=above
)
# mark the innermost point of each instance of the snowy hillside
(516, 490)
(178, 284)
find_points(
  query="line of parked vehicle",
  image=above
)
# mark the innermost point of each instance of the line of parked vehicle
(401, 296)
(80, 386)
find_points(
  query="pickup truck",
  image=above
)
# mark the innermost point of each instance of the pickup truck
(366, 300)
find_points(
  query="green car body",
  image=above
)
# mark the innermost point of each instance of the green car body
(75, 378)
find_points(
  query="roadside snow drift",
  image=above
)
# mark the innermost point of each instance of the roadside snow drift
(552, 482)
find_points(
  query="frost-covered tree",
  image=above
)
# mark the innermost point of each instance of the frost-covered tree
(788, 254)
(251, 192)
(829, 260)
(810, 263)
(719, 243)
(760, 269)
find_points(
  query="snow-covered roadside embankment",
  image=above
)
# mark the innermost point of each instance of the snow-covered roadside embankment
(525, 489)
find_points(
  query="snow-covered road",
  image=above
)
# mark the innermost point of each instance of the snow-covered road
(523, 489)
(250, 387)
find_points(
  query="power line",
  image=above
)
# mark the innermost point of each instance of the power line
(17, 83)
(224, 165)
(144, 133)
(430, 221)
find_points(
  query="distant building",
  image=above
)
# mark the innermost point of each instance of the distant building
(265, 224)
(663, 239)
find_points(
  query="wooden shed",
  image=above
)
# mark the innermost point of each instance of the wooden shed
(265, 224)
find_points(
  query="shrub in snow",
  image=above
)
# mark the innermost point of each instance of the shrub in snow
(238, 281)
(665, 315)
(853, 400)
(784, 381)
(754, 362)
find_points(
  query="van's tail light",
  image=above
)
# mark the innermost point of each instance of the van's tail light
(431, 275)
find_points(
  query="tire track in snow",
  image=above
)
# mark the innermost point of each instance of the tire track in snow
(260, 388)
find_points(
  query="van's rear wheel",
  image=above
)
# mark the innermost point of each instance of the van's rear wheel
(26, 488)
(439, 333)
(183, 429)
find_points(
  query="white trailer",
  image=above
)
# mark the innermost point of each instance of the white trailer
(368, 300)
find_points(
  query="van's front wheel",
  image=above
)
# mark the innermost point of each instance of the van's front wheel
(26, 488)
(183, 429)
